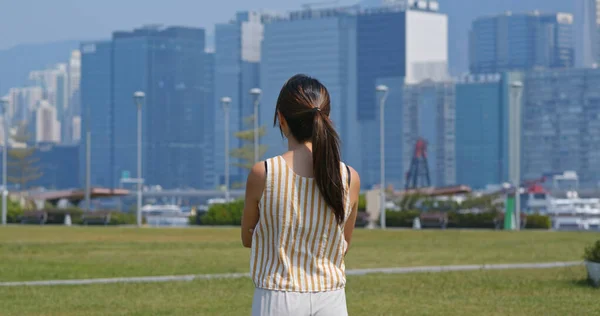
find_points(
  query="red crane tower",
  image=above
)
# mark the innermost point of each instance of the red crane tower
(418, 173)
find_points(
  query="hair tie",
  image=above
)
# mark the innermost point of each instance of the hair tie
(316, 109)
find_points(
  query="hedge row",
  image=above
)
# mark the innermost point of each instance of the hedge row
(57, 217)
(456, 220)
(231, 214)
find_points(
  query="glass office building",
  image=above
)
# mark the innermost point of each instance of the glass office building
(321, 44)
(429, 114)
(482, 111)
(237, 56)
(521, 42)
(97, 112)
(168, 64)
(561, 124)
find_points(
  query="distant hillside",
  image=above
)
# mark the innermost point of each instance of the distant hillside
(17, 62)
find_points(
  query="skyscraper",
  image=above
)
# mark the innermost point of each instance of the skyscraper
(510, 42)
(97, 112)
(561, 130)
(392, 50)
(429, 114)
(237, 59)
(168, 65)
(47, 126)
(587, 34)
(482, 123)
(321, 44)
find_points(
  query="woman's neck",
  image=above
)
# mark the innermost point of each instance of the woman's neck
(294, 145)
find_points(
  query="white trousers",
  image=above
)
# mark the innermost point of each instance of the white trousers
(282, 303)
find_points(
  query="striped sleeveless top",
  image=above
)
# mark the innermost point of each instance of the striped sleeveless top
(297, 244)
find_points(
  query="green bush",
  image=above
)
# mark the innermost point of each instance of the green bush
(469, 220)
(362, 203)
(538, 222)
(401, 218)
(120, 218)
(224, 214)
(592, 252)
(13, 212)
(57, 216)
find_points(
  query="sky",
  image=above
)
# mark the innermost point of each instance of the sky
(42, 21)
(38, 21)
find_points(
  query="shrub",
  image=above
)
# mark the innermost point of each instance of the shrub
(224, 214)
(592, 252)
(362, 203)
(13, 212)
(57, 216)
(538, 222)
(120, 218)
(401, 218)
(471, 220)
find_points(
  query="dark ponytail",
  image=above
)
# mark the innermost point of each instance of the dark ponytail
(305, 104)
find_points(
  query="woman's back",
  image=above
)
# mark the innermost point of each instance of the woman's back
(298, 245)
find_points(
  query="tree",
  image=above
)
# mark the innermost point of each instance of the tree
(245, 154)
(22, 166)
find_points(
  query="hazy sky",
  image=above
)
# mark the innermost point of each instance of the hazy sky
(34, 21)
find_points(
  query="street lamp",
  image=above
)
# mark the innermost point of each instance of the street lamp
(4, 105)
(225, 102)
(138, 98)
(515, 146)
(255, 93)
(382, 91)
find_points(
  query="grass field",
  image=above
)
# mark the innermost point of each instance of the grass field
(38, 253)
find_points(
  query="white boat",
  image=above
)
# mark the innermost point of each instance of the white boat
(165, 215)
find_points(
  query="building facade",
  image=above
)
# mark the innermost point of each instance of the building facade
(97, 112)
(168, 64)
(321, 44)
(519, 42)
(561, 125)
(405, 59)
(482, 138)
(429, 114)
(587, 32)
(237, 57)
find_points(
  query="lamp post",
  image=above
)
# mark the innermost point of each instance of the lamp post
(138, 98)
(225, 102)
(88, 160)
(515, 141)
(256, 92)
(382, 91)
(4, 104)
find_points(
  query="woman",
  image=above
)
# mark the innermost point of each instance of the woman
(300, 210)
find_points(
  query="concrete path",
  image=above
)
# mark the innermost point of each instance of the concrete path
(191, 277)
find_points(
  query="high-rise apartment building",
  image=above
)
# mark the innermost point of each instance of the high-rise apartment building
(561, 126)
(47, 126)
(587, 32)
(518, 42)
(237, 61)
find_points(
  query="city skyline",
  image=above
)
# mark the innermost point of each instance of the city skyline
(350, 49)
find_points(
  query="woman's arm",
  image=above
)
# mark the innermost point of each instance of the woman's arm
(254, 190)
(354, 194)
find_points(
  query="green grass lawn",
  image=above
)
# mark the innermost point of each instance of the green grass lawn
(42, 253)
(37, 253)
(511, 292)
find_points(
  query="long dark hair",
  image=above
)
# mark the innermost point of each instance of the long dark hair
(305, 104)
